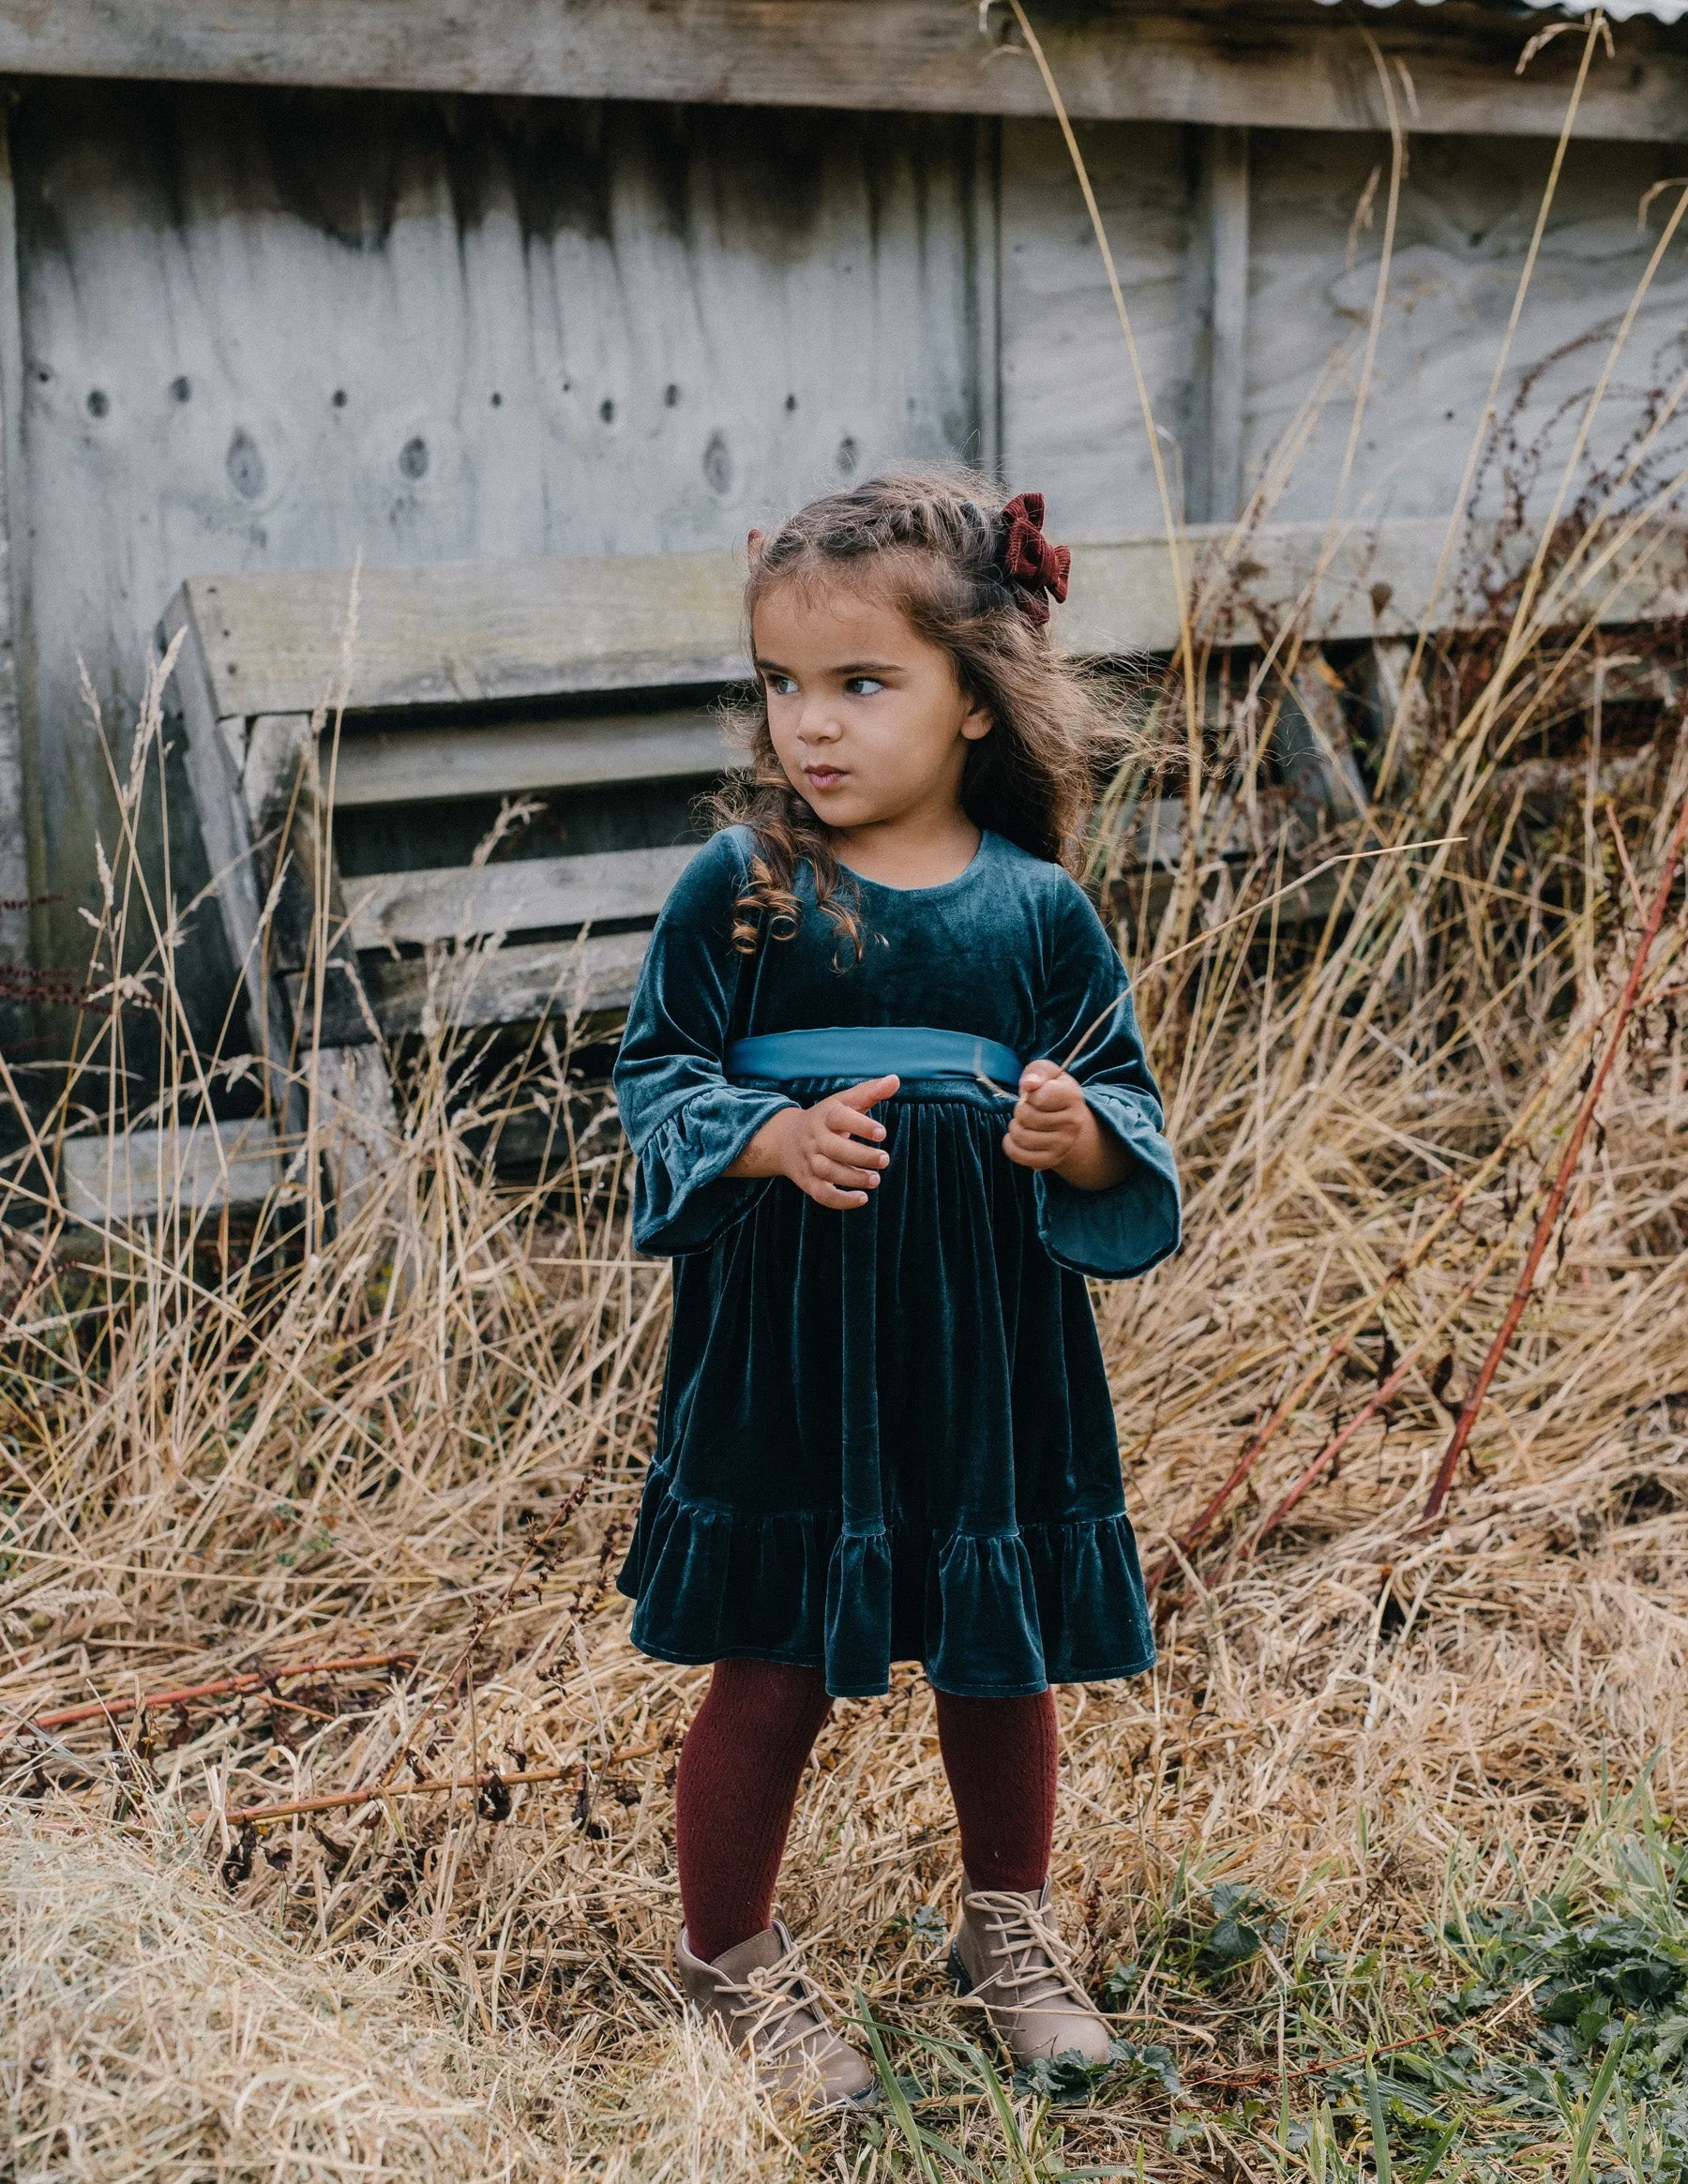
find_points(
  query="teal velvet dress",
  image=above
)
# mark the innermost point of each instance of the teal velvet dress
(887, 1432)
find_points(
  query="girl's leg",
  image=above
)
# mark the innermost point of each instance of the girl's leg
(736, 1786)
(1000, 1755)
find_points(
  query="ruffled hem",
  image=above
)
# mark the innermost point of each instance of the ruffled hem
(995, 1615)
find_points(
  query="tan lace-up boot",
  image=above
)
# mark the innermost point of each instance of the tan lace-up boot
(1008, 1956)
(767, 2004)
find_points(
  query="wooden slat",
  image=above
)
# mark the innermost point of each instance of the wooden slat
(442, 633)
(144, 1174)
(463, 902)
(465, 631)
(513, 985)
(439, 764)
(1271, 63)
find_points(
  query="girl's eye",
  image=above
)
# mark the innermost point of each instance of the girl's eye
(862, 685)
(781, 686)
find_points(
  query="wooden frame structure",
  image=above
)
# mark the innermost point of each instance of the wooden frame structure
(1280, 64)
(255, 682)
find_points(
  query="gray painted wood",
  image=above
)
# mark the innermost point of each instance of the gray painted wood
(513, 985)
(1465, 221)
(1226, 198)
(553, 330)
(1071, 420)
(19, 870)
(465, 902)
(152, 1175)
(415, 766)
(1360, 581)
(1072, 425)
(1271, 63)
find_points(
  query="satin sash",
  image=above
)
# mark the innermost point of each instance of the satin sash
(856, 1052)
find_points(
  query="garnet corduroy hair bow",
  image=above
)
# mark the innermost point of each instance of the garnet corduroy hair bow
(1036, 570)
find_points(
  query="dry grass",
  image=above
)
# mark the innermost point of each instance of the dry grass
(226, 1450)
(284, 1444)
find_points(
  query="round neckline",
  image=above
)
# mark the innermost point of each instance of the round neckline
(937, 886)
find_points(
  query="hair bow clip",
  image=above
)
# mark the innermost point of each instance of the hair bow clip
(1033, 568)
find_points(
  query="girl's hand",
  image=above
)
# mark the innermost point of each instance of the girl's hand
(831, 1150)
(1054, 1126)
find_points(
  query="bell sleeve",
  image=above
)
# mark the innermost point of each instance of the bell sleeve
(686, 1123)
(1137, 1222)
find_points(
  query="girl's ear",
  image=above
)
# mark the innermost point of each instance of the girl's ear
(977, 725)
(753, 545)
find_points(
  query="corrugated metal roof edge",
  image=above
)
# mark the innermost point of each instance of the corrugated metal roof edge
(1620, 10)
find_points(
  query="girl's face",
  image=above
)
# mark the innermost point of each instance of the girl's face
(867, 717)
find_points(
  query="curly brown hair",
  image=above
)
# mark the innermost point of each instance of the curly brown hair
(931, 544)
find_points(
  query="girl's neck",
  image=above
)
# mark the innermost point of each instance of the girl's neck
(928, 853)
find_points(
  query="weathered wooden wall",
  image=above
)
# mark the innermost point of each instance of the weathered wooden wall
(281, 330)
(267, 329)
(1071, 418)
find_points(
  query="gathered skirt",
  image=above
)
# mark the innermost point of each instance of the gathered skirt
(886, 1434)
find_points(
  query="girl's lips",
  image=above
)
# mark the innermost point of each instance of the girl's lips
(823, 776)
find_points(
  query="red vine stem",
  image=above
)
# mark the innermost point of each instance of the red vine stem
(1370, 1410)
(1561, 1182)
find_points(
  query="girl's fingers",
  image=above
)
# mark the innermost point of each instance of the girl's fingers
(869, 1093)
(844, 1121)
(837, 1201)
(843, 1178)
(850, 1152)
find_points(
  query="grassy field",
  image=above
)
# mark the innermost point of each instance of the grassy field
(1379, 1871)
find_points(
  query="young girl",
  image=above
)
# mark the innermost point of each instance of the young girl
(890, 1106)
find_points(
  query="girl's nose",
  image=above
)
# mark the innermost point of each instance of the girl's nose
(819, 725)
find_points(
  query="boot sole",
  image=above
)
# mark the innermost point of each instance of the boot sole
(957, 1972)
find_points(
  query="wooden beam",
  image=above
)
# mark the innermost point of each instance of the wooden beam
(461, 903)
(21, 873)
(512, 986)
(456, 633)
(1267, 64)
(152, 1175)
(440, 632)
(1226, 195)
(422, 765)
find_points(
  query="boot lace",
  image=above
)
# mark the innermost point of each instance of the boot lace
(1035, 1970)
(776, 2009)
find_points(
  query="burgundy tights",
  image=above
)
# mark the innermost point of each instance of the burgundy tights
(743, 1760)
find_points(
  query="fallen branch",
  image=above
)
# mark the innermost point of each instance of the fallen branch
(1292, 1400)
(1548, 1219)
(225, 1687)
(335, 1800)
(1368, 1409)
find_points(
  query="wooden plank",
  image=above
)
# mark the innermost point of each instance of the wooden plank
(1072, 423)
(463, 902)
(19, 871)
(418, 766)
(422, 628)
(356, 1118)
(214, 766)
(1266, 63)
(150, 1175)
(1376, 581)
(512, 986)
(463, 632)
(481, 329)
(1466, 213)
(1226, 155)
